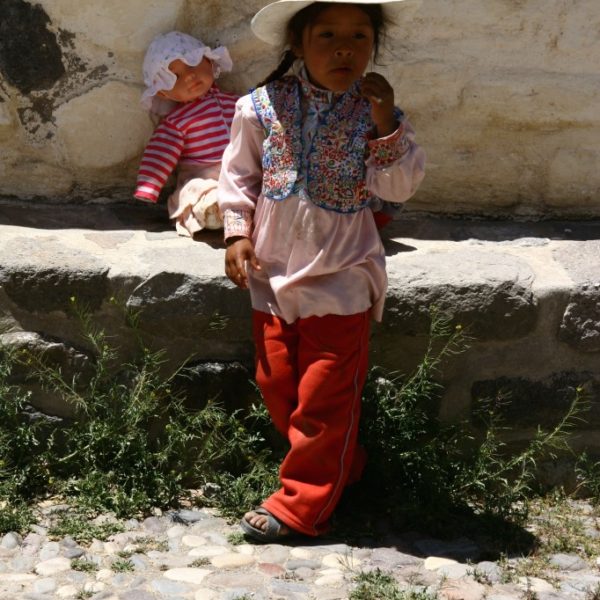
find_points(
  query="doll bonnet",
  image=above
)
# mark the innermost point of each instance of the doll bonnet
(166, 48)
(269, 23)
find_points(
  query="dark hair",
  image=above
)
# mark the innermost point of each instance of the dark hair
(308, 15)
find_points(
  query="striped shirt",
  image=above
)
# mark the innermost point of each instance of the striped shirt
(196, 132)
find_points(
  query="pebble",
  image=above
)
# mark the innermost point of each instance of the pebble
(189, 555)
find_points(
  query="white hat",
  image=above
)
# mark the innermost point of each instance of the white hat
(166, 48)
(269, 23)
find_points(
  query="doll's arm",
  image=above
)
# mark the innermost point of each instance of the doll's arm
(158, 161)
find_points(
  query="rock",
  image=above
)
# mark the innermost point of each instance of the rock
(53, 566)
(232, 560)
(433, 563)
(568, 562)
(11, 540)
(188, 575)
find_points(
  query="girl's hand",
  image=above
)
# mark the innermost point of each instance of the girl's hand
(239, 250)
(380, 94)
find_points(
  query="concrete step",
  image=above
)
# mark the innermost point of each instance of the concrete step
(528, 294)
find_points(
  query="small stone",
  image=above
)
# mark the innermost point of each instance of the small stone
(67, 591)
(49, 550)
(17, 577)
(104, 574)
(53, 566)
(271, 569)
(168, 587)
(111, 548)
(341, 561)
(535, 585)
(302, 553)
(490, 570)
(333, 580)
(206, 594)
(462, 589)
(207, 551)
(39, 530)
(456, 571)
(247, 549)
(187, 575)
(193, 541)
(11, 541)
(94, 587)
(232, 560)
(44, 586)
(433, 563)
(300, 563)
(568, 562)
(137, 595)
(154, 525)
(176, 531)
(73, 552)
(188, 516)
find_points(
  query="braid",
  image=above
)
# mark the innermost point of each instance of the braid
(286, 62)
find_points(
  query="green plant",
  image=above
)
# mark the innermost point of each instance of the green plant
(378, 585)
(84, 565)
(122, 565)
(587, 471)
(445, 476)
(80, 527)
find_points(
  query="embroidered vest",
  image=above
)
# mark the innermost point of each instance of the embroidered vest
(336, 171)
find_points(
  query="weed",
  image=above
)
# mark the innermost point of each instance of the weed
(378, 585)
(235, 538)
(122, 565)
(84, 565)
(444, 477)
(200, 562)
(84, 594)
(587, 471)
(82, 530)
(593, 593)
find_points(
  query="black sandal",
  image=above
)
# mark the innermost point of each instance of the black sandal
(272, 533)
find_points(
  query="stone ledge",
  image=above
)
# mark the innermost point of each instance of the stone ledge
(529, 294)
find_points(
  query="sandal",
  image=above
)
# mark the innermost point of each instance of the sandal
(272, 533)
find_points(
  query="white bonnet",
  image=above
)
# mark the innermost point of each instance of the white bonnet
(166, 48)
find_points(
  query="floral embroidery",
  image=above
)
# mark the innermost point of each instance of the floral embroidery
(387, 150)
(237, 222)
(336, 171)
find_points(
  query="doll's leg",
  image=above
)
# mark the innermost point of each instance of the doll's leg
(194, 207)
(276, 367)
(333, 360)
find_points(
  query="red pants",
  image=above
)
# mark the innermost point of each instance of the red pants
(311, 375)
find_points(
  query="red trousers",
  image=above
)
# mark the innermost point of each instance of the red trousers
(311, 374)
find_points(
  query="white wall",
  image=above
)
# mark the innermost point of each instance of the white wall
(504, 95)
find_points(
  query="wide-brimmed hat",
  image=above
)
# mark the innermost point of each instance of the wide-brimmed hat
(269, 23)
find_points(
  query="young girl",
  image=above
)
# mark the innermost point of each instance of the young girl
(179, 73)
(309, 152)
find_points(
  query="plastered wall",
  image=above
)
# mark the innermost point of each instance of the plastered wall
(504, 95)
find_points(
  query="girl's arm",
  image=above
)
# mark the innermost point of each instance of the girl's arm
(396, 164)
(240, 184)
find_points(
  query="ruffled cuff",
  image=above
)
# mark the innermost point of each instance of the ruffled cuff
(237, 222)
(387, 150)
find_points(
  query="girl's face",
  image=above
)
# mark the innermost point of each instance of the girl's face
(192, 82)
(337, 46)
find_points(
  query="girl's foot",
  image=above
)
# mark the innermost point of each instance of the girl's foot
(261, 525)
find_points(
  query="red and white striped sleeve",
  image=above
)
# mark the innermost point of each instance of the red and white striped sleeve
(158, 161)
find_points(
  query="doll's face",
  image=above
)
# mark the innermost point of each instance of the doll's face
(192, 82)
(337, 46)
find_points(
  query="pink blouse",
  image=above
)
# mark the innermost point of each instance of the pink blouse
(314, 261)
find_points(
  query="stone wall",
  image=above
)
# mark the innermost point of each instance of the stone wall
(504, 94)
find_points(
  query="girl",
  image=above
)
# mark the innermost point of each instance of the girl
(309, 152)
(179, 72)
